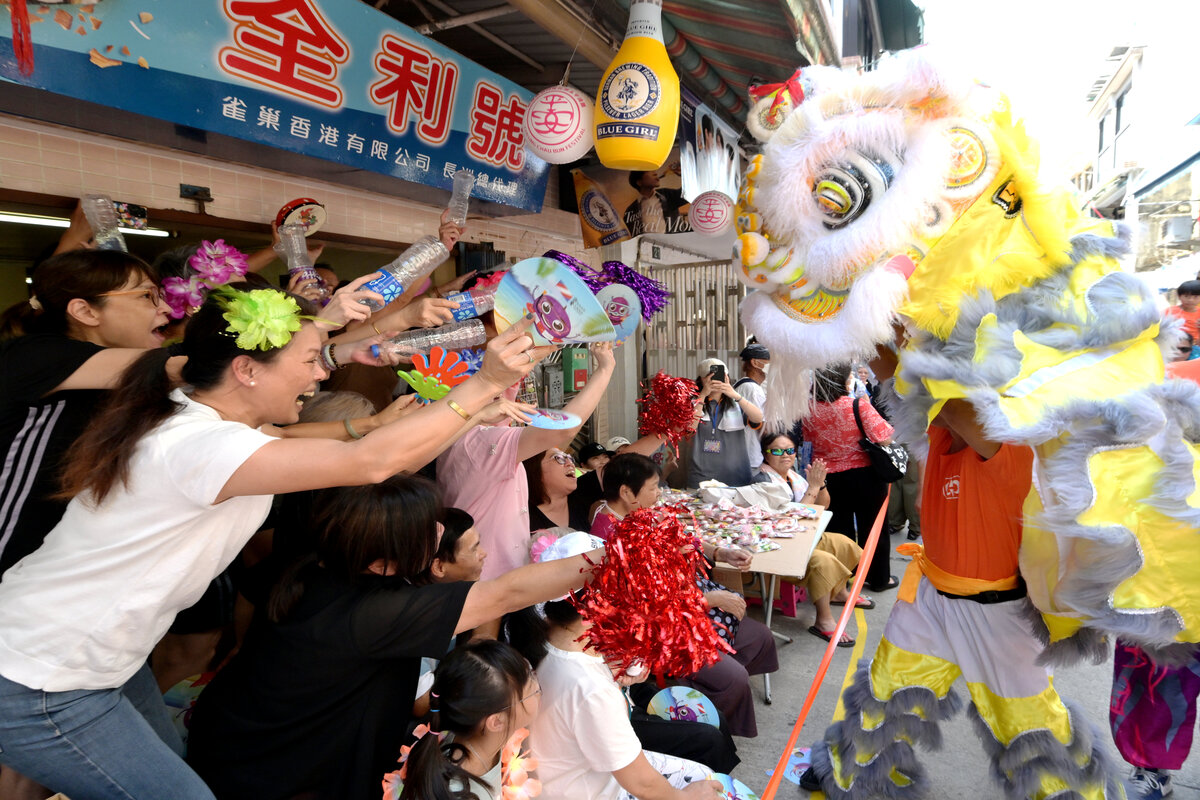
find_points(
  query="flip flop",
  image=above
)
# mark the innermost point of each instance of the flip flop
(892, 583)
(863, 602)
(815, 631)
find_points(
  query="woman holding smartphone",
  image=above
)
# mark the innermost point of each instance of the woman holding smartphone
(719, 448)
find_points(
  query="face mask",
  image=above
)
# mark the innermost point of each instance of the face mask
(766, 368)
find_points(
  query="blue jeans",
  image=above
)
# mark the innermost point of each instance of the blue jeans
(97, 744)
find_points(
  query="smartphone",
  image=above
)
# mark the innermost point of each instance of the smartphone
(718, 373)
(805, 456)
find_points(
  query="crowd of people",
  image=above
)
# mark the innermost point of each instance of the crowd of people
(188, 488)
(381, 592)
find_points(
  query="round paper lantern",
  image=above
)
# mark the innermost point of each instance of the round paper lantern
(558, 125)
(711, 214)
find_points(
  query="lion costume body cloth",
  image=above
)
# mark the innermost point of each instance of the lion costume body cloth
(908, 195)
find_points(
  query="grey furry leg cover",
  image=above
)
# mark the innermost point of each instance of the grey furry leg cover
(1033, 755)
(909, 717)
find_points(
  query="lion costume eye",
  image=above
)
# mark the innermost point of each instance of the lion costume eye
(845, 190)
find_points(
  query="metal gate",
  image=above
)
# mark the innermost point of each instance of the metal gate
(701, 321)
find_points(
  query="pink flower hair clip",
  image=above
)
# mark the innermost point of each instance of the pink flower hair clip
(215, 264)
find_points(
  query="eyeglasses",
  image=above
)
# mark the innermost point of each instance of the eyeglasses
(563, 458)
(152, 293)
(527, 697)
(781, 451)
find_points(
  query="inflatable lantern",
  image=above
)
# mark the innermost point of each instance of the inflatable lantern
(911, 195)
(558, 125)
(637, 107)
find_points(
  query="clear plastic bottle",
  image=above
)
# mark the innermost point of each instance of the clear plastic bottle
(464, 181)
(453, 336)
(473, 302)
(102, 217)
(293, 248)
(409, 267)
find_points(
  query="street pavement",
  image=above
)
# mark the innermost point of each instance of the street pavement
(960, 769)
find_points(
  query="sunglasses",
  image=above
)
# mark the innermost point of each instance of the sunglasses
(153, 294)
(563, 459)
(781, 451)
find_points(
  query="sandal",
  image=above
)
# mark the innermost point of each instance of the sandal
(815, 631)
(891, 584)
(862, 601)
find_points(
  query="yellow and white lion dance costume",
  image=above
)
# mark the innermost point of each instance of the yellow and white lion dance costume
(910, 195)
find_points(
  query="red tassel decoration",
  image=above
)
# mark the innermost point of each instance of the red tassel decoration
(668, 409)
(22, 38)
(643, 604)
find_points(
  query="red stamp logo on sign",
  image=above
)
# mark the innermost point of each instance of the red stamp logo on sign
(711, 213)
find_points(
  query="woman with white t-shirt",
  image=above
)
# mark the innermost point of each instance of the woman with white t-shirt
(168, 486)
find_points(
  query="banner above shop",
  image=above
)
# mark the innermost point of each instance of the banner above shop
(326, 78)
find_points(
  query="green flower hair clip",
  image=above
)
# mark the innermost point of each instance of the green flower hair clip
(262, 319)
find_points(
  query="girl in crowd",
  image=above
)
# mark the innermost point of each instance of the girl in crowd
(836, 556)
(168, 486)
(93, 312)
(485, 692)
(483, 472)
(551, 479)
(855, 490)
(585, 746)
(318, 699)
(720, 447)
(632, 481)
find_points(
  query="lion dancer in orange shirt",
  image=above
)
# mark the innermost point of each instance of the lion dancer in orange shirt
(962, 610)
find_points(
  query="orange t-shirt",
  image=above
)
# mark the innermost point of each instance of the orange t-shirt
(971, 508)
(1191, 321)
(1185, 370)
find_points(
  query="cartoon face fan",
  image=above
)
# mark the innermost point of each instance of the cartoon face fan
(564, 310)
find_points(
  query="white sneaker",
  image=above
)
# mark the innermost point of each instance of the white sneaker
(1149, 784)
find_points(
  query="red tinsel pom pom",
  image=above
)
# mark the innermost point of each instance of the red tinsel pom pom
(643, 604)
(668, 409)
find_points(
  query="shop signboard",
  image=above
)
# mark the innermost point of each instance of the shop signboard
(333, 79)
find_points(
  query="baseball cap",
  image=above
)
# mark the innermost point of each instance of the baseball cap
(615, 442)
(707, 365)
(591, 450)
(755, 350)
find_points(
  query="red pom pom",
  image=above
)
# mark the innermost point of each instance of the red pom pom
(668, 409)
(643, 604)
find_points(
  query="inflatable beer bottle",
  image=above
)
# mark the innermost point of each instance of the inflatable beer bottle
(637, 107)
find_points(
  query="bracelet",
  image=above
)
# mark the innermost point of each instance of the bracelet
(379, 332)
(327, 359)
(457, 409)
(350, 429)
(739, 399)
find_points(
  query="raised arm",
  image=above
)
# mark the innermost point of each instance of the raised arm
(290, 465)
(524, 587)
(103, 370)
(538, 440)
(959, 417)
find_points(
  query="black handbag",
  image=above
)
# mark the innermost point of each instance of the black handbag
(890, 461)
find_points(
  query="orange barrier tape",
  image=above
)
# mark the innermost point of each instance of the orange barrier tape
(859, 578)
